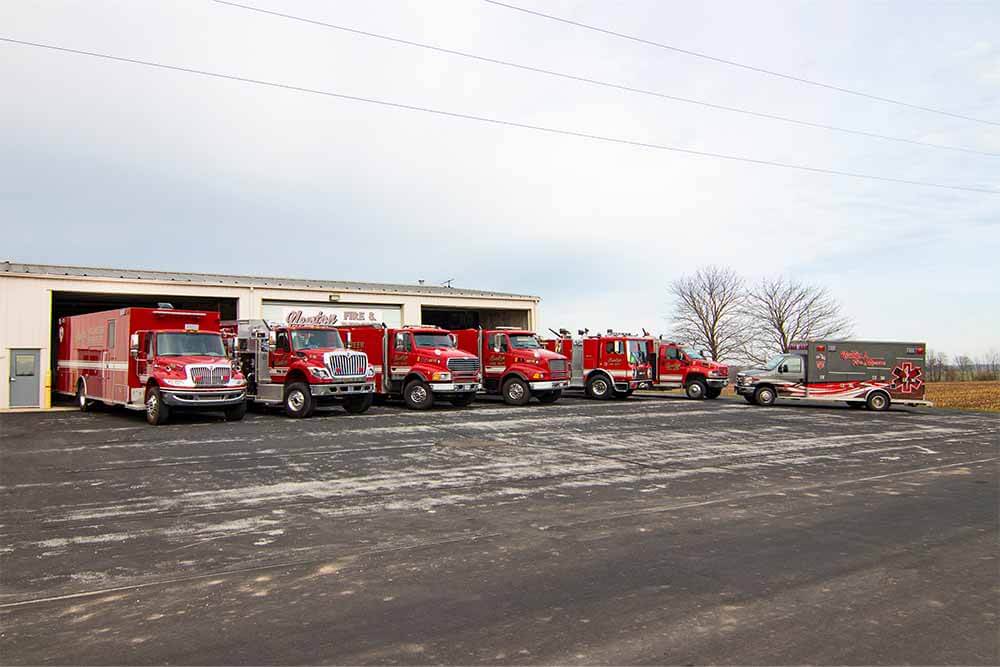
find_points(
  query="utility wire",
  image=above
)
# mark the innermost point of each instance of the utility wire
(496, 121)
(606, 84)
(734, 63)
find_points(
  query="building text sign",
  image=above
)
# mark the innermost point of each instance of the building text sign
(304, 314)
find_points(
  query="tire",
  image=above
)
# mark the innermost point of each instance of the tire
(357, 405)
(713, 392)
(516, 392)
(599, 387)
(696, 389)
(81, 397)
(857, 405)
(765, 396)
(157, 412)
(749, 399)
(878, 401)
(462, 400)
(549, 397)
(298, 401)
(235, 413)
(418, 395)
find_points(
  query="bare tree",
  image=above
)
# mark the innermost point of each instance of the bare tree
(708, 311)
(965, 367)
(937, 365)
(782, 310)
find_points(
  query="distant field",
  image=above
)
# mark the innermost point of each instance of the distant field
(984, 396)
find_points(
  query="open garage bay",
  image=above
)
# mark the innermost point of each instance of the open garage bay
(653, 530)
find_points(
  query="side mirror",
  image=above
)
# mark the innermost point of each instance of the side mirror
(783, 368)
(347, 338)
(453, 338)
(133, 345)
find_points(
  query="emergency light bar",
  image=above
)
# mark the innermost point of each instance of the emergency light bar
(179, 313)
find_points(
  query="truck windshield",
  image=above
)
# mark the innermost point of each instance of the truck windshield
(316, 339)
(693, 353)
(525, 342)
(773, 362)
(637, 352)
(432, 340)
(189, 344)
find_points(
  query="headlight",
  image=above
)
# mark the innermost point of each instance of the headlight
(177, 382)
(321, 373)
(441, 376)
(370, 372)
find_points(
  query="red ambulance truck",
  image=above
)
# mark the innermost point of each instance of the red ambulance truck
(152, 359)
(516, 364)
(418, 364)
(608, 365)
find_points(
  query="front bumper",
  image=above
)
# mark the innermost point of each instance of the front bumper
(745, 389)
(548, 385)
(454, 387)
(212, 398)
(717, 382)
(341, 388)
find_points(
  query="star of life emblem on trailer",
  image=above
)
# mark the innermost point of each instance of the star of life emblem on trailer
(907, 378)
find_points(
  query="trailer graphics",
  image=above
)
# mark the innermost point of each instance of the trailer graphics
(860, 373)
(418, 364)
(516, 364)
(300, 367)
(609, 365)
(152, 359)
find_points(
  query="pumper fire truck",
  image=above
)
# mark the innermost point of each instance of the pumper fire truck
(515, 364)
(152, 359)
(608, 365)
(861, 373)
(418, 363)
(300, 367)
(679, 366)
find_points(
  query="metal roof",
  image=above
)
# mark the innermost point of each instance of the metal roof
(8, 267)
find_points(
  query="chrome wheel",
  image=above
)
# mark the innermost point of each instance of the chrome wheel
(152, 404)
(296, 400)
(418, 394)
(515, 391)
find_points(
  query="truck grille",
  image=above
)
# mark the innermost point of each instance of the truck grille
(464, 365)
(557, 367)
(211, 376)
(347, 365)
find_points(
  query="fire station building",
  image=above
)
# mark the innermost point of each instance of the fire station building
(34, 296)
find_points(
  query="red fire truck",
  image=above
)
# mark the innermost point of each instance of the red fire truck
(152, 359)
(299, 366)
(679, 366)
(608, 365)
(418, 363)
(515, 364)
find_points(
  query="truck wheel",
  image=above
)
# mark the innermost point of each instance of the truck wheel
(157, 412)
(81, 397)
(462, 400)
(696, 389)
(713, 392)
(298, 400)
(764, 396)
(235, 413)
(878, 401)
(549, 397)
(516, 392)
(599, 387)
(418, 395)
(356, 405)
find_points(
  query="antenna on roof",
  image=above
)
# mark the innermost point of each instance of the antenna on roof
(448, 282)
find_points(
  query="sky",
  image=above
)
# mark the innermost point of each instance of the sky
(113, 164)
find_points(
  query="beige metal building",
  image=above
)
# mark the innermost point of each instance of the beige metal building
(34, 296)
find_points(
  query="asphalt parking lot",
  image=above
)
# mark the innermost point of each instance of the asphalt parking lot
(653, 530)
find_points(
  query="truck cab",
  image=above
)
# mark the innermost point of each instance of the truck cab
(186, 368)
(680, 366)
(419, 364)
(516, 364)
(301, 367)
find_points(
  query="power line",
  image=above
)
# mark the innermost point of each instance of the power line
(496, 121)
(606, 84)
(733, 63)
